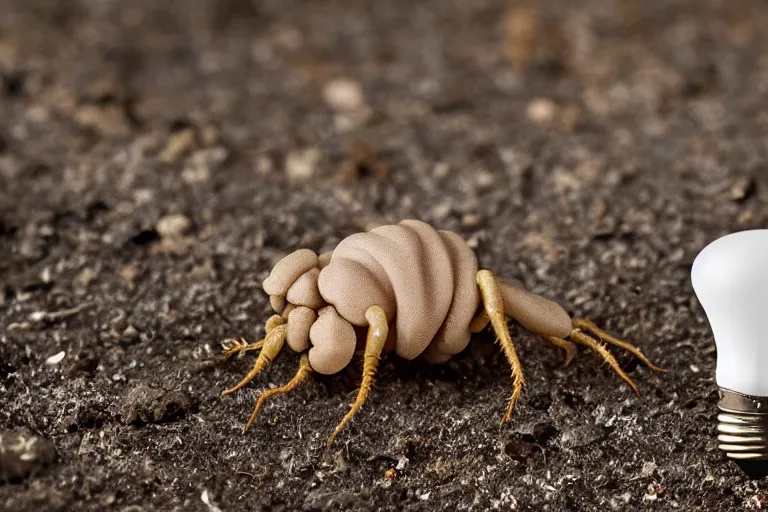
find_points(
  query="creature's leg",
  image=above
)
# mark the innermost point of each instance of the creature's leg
(586, 325)
(374, 344)
(548, 319)
(583, 339)
(479, 321)
(568, 347)
(272, 345)
(232, 346)
(494, 307)
(235, 345)
(301, 376)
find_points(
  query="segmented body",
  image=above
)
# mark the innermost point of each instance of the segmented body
(423, 279)
(407, 288)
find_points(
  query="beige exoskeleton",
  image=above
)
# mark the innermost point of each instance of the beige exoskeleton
(418, 291)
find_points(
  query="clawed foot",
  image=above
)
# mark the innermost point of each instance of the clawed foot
(270, 346)
(581, 324)
(588, 334)
(232, 346)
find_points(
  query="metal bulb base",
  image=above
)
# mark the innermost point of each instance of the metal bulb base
(742, 430)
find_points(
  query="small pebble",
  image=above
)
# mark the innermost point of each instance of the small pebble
(120, 321)
(542, 111)
(108, 121)
(129, 334)
(173, 226)
(469, 220)
(300, 166)
(441, 210)
(441, 170)
(147, 405)
(518, 449)
(128, 275)
(202, 162)
(484, 179)
(86, 277)
(205, 497)
(344, 95)
(178, 145)
(55, 359)
(742, 189)
(210, 157)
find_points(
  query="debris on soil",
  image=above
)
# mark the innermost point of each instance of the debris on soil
(542, 111)
(300, 166)
(147, 405)
(23, 455)
(521, 26)
(173, 226)
(582, 435)
(84, 279)
(545, 113)
(39, 319)
(111, 120)
(56, 358)
(198, 147)
(53, 316)
(742, 189)
(346, 98)
(179, 143)
(361, 161)
(518, 449)
(83, 363)
(128, 275)
(344, 95)
(202, 163)
(173, 230)
(206, 499)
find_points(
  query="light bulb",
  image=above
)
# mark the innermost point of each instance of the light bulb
(730, 278)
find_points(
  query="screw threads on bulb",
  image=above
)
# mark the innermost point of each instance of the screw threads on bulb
(743, 436)
(743, 426)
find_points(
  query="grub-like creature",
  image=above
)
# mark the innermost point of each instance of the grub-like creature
(416, 290)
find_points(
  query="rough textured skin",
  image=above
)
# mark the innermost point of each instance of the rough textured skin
(304, 292)
(300, 321)
(288, 270)
(454, 334)
(333, 342)
(534, 312)
(410, 259)
(353, 284)
(423, 279)
(324, 259)
(279, 304)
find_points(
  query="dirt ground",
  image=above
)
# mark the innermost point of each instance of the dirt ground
(157, 158)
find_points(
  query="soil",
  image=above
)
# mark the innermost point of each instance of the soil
(157, 158)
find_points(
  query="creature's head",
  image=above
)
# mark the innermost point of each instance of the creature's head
(293, 294)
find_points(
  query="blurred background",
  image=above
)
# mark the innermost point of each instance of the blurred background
(157, 158)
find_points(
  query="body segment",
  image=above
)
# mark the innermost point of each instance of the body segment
(408, 270)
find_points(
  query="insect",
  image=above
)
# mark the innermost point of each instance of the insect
(416, 291)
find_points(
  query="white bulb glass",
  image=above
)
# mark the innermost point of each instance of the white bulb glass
(730, 278)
